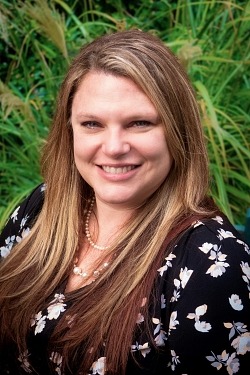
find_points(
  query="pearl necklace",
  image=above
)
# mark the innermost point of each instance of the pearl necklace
(87, 232)
(79, 272)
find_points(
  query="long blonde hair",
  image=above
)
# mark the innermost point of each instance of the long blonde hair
(43, 260)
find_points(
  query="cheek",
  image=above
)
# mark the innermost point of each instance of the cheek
(80, 157)
(77, 148)
(158, 150)
(78, 154)
(81, 148)
(162, 158)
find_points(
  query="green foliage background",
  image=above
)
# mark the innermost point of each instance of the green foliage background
(39, 38)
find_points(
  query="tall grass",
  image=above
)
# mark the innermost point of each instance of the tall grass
(39, 39)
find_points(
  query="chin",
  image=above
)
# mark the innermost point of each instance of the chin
(119, 199)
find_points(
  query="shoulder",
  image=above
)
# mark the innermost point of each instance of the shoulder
(212, 235)
(30, 207)
(21, 220)
(209, 255)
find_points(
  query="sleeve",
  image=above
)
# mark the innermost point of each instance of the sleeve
(21, 220)
(208, 308)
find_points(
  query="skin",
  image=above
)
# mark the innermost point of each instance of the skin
(119, 143)
(121, 151)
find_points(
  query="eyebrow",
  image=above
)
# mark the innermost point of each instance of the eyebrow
(89, 116)
(136, 116)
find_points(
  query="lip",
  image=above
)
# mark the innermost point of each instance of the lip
(117, 172)
(118, 169)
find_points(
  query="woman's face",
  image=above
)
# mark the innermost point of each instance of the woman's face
(119, 144)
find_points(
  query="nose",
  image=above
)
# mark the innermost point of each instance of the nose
(115, 143)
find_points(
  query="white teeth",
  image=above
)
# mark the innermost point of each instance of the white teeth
(118, 170)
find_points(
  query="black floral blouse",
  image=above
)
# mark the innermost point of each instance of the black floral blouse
(201, 320)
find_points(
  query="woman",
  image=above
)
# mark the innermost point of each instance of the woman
(120, 263)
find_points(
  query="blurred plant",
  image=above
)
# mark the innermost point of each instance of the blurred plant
(39, 38)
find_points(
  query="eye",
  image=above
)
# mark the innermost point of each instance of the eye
(141, 123)
(90, 124)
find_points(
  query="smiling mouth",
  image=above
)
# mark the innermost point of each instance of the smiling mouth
(118, 170)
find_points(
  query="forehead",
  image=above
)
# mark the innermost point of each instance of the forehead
(100, 82)
(98, 90)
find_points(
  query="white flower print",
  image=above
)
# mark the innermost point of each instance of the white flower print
(35, 318)
(225, 234)
(246, 269)
(218, 219)
(168, 264)
(200, 326)
(24, 233)
(56, 307)
(235, 328)
(246, 247)
(231, 362)
(10, 241)
(15, 214)
(39, 321)
(98, 366)
(246, 277)
(159, 339)
(197, 224)
(55, 310)
(217, 255)
(235, 302)
(175, 360)
(217, 269)
(23, 222)
(185, 275)
(5, 250)
(219, 266)
(40, 324)
(58, 297)
(176, 293)
(163, 301)
(23, 358)
(144, 349)
(242, 343)
(56, 358)
(206, 247)
(173, 321)
(216, 361)
(43, 187)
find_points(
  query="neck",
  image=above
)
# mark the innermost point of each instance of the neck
(106, 221)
